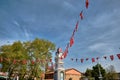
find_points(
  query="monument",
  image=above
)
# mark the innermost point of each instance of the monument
(59, 72)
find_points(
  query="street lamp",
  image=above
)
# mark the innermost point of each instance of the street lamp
(100, 75)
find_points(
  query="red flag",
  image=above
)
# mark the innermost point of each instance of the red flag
(118, 55)
(87, 3)
(111, 57)
(33, 62)
(24, 62)
(73, 33)
(105, 57)
(93, 60)
(97, 58)
(76, 28)
(82, 60)
(87, 59)
(72, 59)
(76, 59)
(65, 53)
(14, 61)
(81, 15)
(71, 41)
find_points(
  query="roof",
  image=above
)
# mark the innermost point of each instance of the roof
(68, 71)
(72, 71)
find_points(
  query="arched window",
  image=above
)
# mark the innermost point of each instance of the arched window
(70, 78)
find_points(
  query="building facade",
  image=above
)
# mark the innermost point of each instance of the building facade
(70, 74)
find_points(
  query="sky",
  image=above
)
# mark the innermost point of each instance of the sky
(98, 34)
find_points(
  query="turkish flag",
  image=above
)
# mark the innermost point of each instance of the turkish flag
(87, 3)
(118, 55)
(76, 28)
(76, 59)
(105, 57)
(81, 15)
(71, 41)
(87, 59)
(112, 57)
(82, 60)
(72, 59)
(97, 58)
(93, 59)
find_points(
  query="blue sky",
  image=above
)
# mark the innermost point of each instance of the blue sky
(54, 20)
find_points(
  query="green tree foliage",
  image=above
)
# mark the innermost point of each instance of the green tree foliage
(88, 73)
(95, 72)
(111, 73)
(26, 58)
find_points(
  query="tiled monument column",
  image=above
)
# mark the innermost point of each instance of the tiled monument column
(59, 72)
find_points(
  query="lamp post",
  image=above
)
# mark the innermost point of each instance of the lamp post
(100, 75)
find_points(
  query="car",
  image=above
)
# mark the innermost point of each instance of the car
(3, 78)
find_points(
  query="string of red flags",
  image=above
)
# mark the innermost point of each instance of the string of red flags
(65, 52)
(71, 41)
(111, 57)
(24, 61)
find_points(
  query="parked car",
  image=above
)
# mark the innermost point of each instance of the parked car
(3, 78)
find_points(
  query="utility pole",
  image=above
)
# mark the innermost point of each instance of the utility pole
(59, 72)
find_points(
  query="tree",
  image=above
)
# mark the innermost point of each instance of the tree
(97, 70)
(39, 50)
(12, 57)
(26, 58)
(111, 73)
(88, 73)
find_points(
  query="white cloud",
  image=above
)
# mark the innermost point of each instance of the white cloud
(16, 23)
(103, 48)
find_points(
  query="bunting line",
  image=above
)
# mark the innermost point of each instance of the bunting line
(111, 57)
(71, 41)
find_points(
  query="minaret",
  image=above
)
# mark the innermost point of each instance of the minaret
(59, 72)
